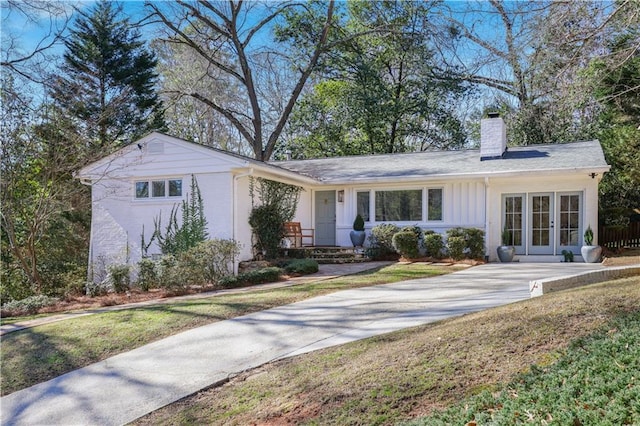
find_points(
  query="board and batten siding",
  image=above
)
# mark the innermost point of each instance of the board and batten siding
(463, 205)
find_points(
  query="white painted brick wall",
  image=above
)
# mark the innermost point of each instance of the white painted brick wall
(493, 137)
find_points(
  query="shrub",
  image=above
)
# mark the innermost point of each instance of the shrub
(475, 242)
(214, 258)
(268, 229)
(434, 244)
(381, 239)
(415, 229)
(406, 243)
(147, 274)
(119, 277)
(27, 306)
(257, 276)
(456, 246)
(169, 273)
(207, 262)
(301, 266)
(358, 223)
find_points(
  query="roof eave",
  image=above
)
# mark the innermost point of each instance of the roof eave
(474, 175)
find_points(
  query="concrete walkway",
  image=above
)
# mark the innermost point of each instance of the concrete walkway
(127, 386)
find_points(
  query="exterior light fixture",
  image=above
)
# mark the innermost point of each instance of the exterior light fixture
(341, 196)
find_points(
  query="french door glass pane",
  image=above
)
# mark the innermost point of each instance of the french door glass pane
(541, 221)
(513, 219)
(569, 220)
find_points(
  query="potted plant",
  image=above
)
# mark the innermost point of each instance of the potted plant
(590, 253)
(506, 251)
(358, 235)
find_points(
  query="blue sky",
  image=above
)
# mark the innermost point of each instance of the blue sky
(28, 33)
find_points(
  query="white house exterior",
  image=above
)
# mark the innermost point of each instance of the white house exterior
(546, 194)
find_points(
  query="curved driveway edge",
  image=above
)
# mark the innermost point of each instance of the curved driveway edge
(127, 386)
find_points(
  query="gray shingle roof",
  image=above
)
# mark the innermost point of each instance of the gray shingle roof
(440, 164)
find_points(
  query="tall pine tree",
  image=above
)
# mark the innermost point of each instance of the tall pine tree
(107, 82)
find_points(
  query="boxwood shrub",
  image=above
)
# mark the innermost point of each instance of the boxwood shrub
(406, 244)
(300, 266)
(434, 244)
(257, 276)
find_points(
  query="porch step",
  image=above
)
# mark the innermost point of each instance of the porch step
(329, 255)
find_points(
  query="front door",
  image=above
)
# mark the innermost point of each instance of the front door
(541, 233)
(325, 233)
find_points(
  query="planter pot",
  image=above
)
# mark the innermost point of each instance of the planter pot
(591, 254)
(506, 253)
(357, 238)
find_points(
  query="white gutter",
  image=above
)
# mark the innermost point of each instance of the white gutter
(487, 214)
(234, 224)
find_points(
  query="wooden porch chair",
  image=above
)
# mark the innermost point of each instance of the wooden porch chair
(297, 235)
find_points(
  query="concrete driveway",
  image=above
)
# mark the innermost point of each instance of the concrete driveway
(127, 386)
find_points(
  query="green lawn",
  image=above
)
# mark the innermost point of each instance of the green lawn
(41, 353)
(565, 358)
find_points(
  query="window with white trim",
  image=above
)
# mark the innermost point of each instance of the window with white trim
(399, 206)
(161, 188)
(362, 204)
(434, 204)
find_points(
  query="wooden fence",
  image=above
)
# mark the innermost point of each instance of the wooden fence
(614, 238)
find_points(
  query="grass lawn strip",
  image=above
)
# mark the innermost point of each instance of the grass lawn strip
(41, 353)
(412, 373)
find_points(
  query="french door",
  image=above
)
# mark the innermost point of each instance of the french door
(541, 235)
(569, 216)
(543, 223)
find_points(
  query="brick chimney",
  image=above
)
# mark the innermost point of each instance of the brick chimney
(493, 137)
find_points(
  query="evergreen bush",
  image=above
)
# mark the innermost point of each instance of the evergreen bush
(268, 229)
(257, 276)
(406, 244)
(434, 244)
(301, 266)
(276, 204)
(475, 242)
(119, 277)
(381, 239)
(147, 274)
(456, 246)
(206, 263)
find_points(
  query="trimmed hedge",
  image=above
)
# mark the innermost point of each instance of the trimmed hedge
(300, 266)
(406, 244)
(434, 244)
(257, 276)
